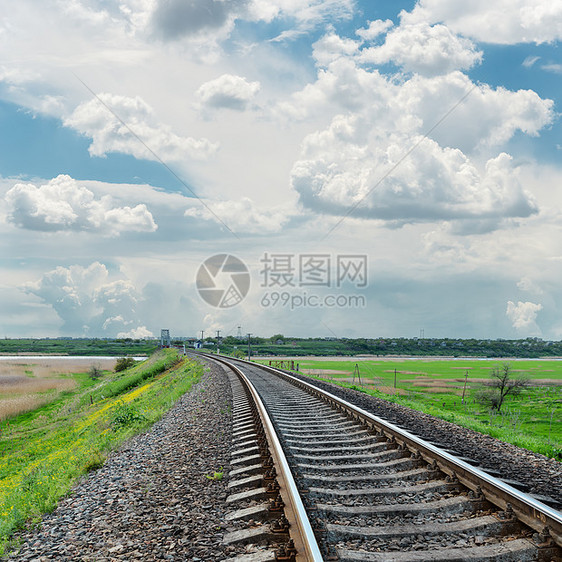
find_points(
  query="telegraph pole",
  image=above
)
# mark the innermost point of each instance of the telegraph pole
(218, 341)
(249, 350)
(357, 374)
(464, 389)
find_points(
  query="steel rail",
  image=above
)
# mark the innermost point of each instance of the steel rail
(527, 509)
(305, 539)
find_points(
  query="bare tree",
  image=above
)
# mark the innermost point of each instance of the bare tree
(502, 383)
(95, 372)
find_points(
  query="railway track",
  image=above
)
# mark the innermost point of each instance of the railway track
(361, 489)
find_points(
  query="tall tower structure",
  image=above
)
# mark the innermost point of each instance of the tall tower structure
(164, 338)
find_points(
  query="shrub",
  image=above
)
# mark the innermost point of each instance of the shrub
(126, 414)
(95, 372)
(124, 363)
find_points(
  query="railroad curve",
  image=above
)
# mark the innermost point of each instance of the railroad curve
(374, 492)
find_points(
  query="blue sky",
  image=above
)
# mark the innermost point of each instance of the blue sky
(139, 138)
(38, 146)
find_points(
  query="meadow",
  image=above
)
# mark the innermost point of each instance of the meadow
(29, 383)
(532, 420)
(45, 450)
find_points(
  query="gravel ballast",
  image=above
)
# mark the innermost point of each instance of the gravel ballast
(151, 500)
(538, 474)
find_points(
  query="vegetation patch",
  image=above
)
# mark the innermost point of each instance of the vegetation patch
(523, 408)
(216, 475)
(44, 451)
(123, 363)
(126, 414)
(23, 394)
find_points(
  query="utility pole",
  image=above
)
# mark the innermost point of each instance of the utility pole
(394, 378)
(218, 341)
(357, 374)
(464, 389)
(249, 350)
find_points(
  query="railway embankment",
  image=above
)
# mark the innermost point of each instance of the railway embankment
(159, 497)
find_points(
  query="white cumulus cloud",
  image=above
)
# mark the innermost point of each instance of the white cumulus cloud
(456, 173)
(227, 92)
(87, 300)
(63, 204)
(374, 29)
(425, 49)
(331, 47)
(343, 87)
(416, 105)
(138, 333)
(351, 165)
(486, 116)
(500, 21)
(128, 125)
(70, 290)
(523, 316)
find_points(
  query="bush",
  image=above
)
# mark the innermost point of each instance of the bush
(126, 414)
(124, 363)
(95, 372)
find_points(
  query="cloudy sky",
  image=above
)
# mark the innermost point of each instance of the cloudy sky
(381, 167)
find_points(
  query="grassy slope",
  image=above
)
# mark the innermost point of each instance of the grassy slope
(42, 453)
(532, 421)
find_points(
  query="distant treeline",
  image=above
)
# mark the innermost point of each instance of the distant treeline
(281, 345)
(78, 346)
(295, 347)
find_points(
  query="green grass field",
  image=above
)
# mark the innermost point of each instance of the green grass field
(43, 452)
(532, 420)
